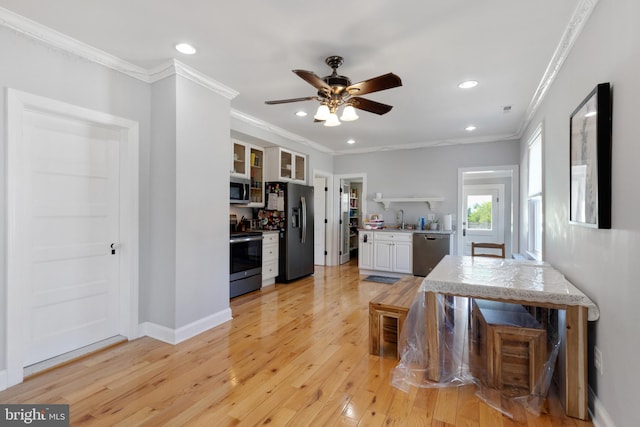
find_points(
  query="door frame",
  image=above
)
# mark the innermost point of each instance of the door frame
(337, 183)
(325, 215)
(19, 102)
(511, 220)
(498, 210)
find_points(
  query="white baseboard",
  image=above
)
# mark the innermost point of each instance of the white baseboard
(175, 336)
(599, 416)
(3, 380)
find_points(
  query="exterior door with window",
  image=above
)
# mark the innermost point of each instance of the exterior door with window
(483, 218)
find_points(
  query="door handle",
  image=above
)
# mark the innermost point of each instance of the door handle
(114, 246)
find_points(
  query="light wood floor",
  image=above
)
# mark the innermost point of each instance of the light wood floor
(293, 354)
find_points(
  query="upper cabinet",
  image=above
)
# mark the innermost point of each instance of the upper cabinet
(239, 159)
(248, 162)
(286, 165)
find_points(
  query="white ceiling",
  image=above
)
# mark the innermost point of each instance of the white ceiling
(252, 46)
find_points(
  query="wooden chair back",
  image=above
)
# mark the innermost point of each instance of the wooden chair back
(491, 246)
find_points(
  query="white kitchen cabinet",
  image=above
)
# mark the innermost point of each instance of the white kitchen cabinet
(365, 250)
(270, 257)
(239, 159)
(286, 165)
(402, 259)
(392, 252)
(248, 162)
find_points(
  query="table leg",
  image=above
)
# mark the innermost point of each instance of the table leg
(432, 339)
(575, 388)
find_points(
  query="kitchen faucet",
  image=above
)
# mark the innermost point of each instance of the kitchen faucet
(401, 219)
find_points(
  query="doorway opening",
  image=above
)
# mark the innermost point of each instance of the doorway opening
(352, 208)
(488, 207)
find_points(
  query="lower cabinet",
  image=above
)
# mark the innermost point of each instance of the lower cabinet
(385, 251)
(270, 247)
(365, 250)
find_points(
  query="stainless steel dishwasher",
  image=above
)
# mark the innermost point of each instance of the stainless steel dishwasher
(428, 250)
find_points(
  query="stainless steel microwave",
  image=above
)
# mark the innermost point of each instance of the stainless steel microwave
(239, 190)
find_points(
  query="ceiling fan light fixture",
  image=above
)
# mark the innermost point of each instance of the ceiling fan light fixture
(323, 113)
(349, 114)
(332, 120)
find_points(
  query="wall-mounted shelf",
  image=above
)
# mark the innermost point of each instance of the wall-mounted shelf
(428, 200)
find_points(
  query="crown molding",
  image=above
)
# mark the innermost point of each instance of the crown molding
(432, 144)
(175, 67)
(261, 124)
(54, 39)
(578, 20)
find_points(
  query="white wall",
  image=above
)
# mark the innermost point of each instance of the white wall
(602, 263)
(31, 67)
(203, 151)
(157, 299)
(424, 172)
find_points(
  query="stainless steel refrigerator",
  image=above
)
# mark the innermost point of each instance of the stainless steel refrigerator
(294, 206)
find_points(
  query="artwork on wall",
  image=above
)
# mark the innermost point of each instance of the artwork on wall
(590, 160)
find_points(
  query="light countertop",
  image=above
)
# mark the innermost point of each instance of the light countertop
(398, 230)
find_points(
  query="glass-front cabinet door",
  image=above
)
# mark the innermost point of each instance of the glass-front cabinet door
(300, 167)
(239, 160)
(286, 164)
(256, 167)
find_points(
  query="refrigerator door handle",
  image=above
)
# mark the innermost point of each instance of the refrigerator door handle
(303, 202)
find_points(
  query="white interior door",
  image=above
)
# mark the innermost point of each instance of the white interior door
(320, 216)
(345, 231)
(482, 215)
(70, 221)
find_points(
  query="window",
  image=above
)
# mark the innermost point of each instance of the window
(534, 195)
(480, 212)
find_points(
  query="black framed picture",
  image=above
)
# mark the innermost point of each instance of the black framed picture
(590, 160)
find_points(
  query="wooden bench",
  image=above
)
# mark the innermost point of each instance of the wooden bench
(387, 313)
(511, 343)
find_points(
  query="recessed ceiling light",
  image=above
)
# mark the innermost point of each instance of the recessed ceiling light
(351, 141)
(468, 84)
(470, 128)
(185, 48)
(301, 113)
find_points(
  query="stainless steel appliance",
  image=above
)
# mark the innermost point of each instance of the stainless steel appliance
(239, 190)
(294, 206)
(245, 263)
(428, 250)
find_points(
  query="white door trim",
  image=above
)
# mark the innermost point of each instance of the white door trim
(337, 181)
(513, 171)
(17, 103)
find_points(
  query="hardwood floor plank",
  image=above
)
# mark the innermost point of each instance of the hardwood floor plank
(294, 354)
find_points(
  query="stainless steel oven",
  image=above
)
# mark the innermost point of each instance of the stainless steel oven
(245, 262)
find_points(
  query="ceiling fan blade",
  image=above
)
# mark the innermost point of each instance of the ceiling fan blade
(315, 81)
(284, 101)
(386, 81)
(370, 106)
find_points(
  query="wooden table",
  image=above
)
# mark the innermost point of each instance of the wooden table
(522, 282)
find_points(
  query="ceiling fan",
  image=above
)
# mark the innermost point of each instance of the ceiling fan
(336, 90)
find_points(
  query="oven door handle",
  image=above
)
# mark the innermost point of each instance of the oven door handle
(303, 201)
(244, 239)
